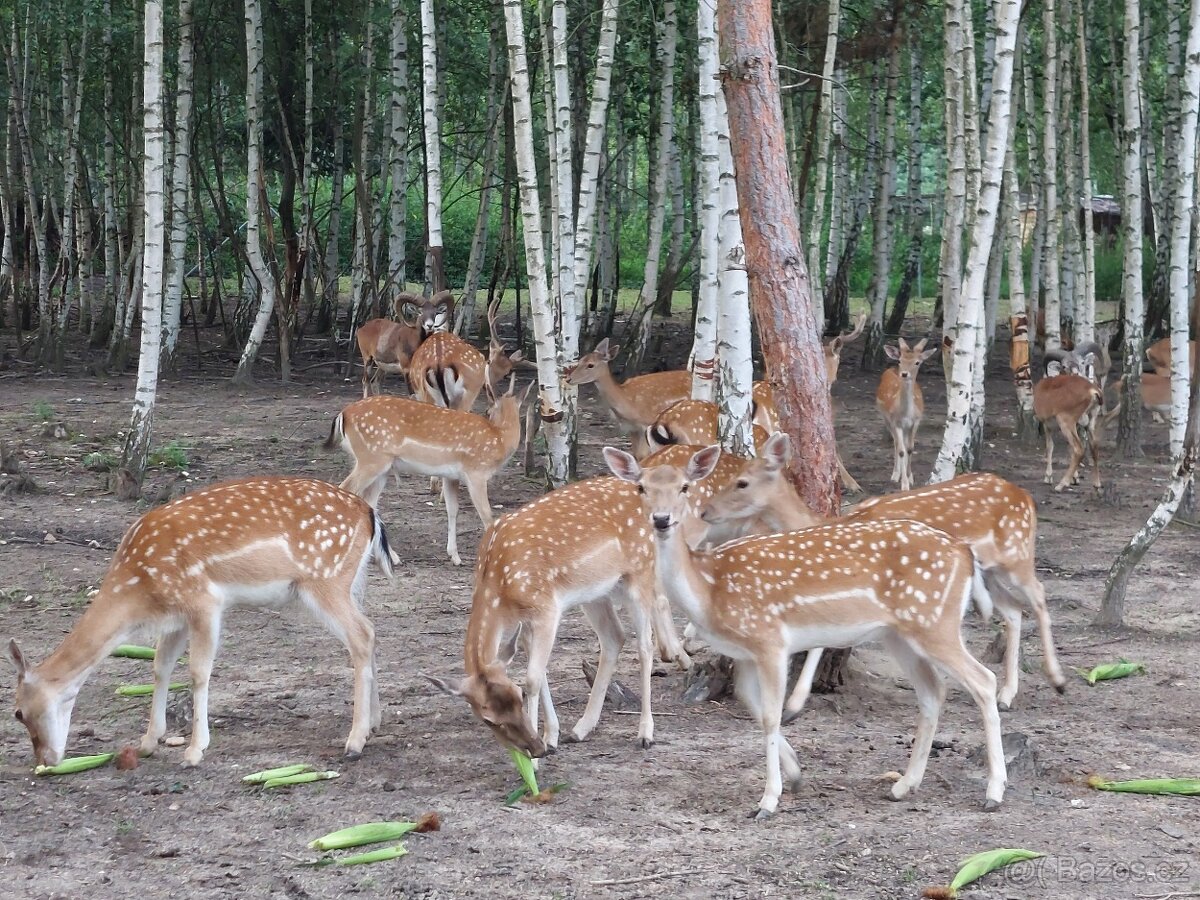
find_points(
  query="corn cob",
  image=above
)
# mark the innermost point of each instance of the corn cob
(133, 651)
(975, 867)
(383, 853)
(368, 833)
(280, 772)
(301, 778)
(1109, 671)
(1185, 786)
(76, 764)
(525, 766)
(142, 690)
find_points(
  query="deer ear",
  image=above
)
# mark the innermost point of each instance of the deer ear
(622, 464)
(516, 356)
(611, 350)
(928, 353)
(602, 348)
(525, 393)
(777, 451)
(702, 463)
(18, 658)
(892, 352)
(508, 650)
(453, 687)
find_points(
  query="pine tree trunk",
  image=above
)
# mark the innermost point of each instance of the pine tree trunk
(967, 366)
(254, 170)
(137, 443)
(180, 180)
(433, 145)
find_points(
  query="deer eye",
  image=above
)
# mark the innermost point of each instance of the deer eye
(743, 484)
(641, 490)
(684, 489)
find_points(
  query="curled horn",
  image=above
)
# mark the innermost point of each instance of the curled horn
(404, 300)
(858, 329)
(1053, 355)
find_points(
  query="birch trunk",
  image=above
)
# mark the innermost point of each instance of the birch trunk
(180, 179)
(916, 203)
(110, 191)
(824, 120)
(1032, 143)
(69, 255)
(704, 344)
(398, 204)
(137, 443)
(1071, 264)
(1051, 248)
(564, 178)
(254, 169)
(956, 441)
(307, 236)
(1129, 434)
(1086, 321)
(433, 144)
(877, 290)
(839, 188)
(1018, 307)
(954, 217)
(549, 368)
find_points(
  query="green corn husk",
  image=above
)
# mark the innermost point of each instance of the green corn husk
(279, 772)
(523, 793)
(143, 690)
(367, 833)
(1109, 671)
(975, 867)
(1188, 787)
(76, 764)
(525, 766)
(371, 856)
(301, 778)
(133, 651)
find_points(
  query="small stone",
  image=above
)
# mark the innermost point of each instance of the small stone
(175, 741)
(389, 786)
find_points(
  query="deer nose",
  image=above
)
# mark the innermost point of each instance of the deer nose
(661, 522)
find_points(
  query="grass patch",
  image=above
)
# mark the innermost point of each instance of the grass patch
(169, 456)
(43, 411)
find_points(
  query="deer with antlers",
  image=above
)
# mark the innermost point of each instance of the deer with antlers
(761, 599)
(386, 435)
(180, 567)
(902, 404)
(994, 517)
(587, 545)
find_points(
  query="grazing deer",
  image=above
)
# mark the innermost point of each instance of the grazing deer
(900, 400)
(394, 434)
(180, 567)
(1076, 404)
(690, 422)
(1159, 355)
(761, 599)
(447, 371)
(586, 544)
(1156, 397)
(994, 517)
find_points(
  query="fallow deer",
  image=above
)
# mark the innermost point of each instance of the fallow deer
(1075, 403)
(691, 422)
(386, 435)
(900, 400)
(833, 361)
(180, 567)
(585, 544)
(447, 371)
(1159, 355)
(1156, 397)
(761, 599)
(995, 518)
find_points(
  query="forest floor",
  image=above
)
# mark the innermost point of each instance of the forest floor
(667, 822)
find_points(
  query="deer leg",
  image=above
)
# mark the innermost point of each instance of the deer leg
(1094, 445)
(803, 688)
(897, 452)
(670, 648)
(1048, 478)
(749, 689)
(203, 632)
(1067, 426)
(603, 619)
(1010, 614)
(368, 481)
(1024, 585)
(170, 648)
(910, 447)
(477, 488)
(848, 481)
(772, 681)
(931, 694)
(641, 611)
(539, 642)
(450, 496)
(981, 685)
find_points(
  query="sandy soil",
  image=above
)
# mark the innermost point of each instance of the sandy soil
(668, 822)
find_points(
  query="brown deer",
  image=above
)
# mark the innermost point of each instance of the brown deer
(1159, 355)
(180, 567)
(833, 361)
(902, 404)
(761, 599)
(386, 348)
(386, 435)
(1156, 397)
(995, 518)
(1075, 403)
(690, 422)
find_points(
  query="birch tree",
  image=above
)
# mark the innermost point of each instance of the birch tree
(704, 344)
(820, 183)
(398, 149)
(433, 145)
(954, 215)
(180, 180)
(956, 439)
(1086, 321)
(137, 442)
(254, 170)
(1050, 212)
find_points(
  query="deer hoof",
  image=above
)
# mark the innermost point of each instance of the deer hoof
(761, 815)
(990, 805)
(646, 743)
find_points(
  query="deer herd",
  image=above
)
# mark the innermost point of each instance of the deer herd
(728, 543)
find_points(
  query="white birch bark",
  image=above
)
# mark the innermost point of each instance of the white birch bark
(180, 181)
(1179, 282)
(398, 203)
(254, 253)
(735, 367)
(137, 442)
(565, 180)
(1129, 435)
(881, 257)
(110, 178)
(840, 182)
(433, 142)
(954, 216)
(1051, 249)
(821, 175)
(333, 241)
(704, 344)
(549, 369)
(1085, 325)
(963, 383)
(69, 253)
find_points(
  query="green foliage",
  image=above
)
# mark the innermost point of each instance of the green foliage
(169, 456)
(100, 461)
(43, 411)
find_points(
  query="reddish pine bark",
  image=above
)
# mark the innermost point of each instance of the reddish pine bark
(780, 293)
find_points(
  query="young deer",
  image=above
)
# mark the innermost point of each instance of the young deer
(690, 422)
(1075, 403)
(255, 542)
(994, 517)
(761, 599)
(447, 371)
(394, 434)
(586, 544)
(900, 400)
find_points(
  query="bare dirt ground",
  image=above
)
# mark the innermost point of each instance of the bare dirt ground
(668, 822)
